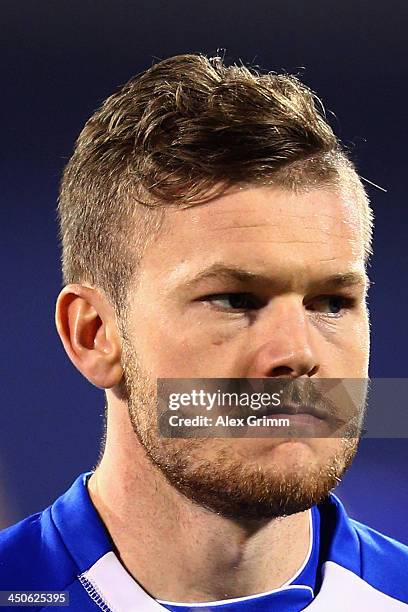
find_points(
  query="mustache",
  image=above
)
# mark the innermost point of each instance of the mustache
(337, 405)
(304, 396)
(295, 396)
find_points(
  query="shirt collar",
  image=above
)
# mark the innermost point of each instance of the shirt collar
(87, 540)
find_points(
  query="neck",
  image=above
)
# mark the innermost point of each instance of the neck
(177, 550)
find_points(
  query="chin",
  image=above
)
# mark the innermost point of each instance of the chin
(286, 451)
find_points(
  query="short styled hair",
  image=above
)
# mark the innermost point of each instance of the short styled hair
(181, 133)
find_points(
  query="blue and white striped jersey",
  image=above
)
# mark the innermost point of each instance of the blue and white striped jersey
(349, 567)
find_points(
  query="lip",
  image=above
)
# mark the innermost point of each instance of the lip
(298, 418)
(296, 409)
(299, 413)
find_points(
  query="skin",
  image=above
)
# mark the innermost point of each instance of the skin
(177, 549)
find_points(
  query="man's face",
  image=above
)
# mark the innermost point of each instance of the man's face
(275, 313)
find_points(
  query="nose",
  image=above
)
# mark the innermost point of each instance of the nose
(284, 342)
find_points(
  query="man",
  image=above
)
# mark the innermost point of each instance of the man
(212, 227)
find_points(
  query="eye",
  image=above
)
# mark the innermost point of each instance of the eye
(233, 301)
(332, 305)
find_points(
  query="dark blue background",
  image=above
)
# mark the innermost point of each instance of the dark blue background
(59, 61)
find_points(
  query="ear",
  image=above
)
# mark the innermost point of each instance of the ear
(86, 324)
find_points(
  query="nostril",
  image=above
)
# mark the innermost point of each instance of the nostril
(294, 372)
(282, 371)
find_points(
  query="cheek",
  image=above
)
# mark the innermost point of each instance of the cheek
(174, 349)
(360, 339)
(353, 349)
(199, 351)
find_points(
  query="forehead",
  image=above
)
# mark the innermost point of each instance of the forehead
(262, 226)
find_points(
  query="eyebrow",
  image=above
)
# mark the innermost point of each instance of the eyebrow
(220, 271)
